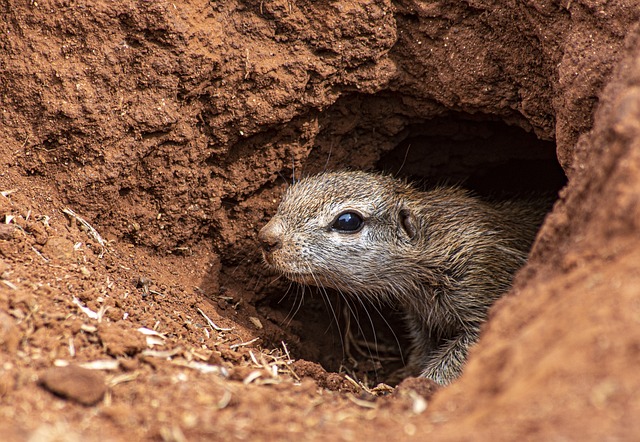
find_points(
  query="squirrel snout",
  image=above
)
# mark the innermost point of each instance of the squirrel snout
(268, 237)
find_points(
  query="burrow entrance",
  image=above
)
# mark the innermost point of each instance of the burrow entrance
(480, 153)
(487, 157)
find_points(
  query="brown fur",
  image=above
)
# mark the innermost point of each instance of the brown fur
(443, 254)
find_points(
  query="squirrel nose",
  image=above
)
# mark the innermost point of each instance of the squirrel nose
(268, 238)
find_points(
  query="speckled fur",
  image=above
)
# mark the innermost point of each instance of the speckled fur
(445, 276)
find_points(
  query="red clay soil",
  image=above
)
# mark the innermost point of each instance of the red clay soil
(143, 145)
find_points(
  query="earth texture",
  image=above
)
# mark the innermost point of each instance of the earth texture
(144, 144)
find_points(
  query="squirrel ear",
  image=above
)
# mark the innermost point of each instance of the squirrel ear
(409, 223)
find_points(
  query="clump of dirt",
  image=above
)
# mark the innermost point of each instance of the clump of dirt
(143, 144)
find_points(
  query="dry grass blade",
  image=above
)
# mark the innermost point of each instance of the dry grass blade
(153, 341)
(6, 193)
(164, 354)
(203, 368)
(252, 377)
(103, 364)
(286, 351)
(9, 284)
(87, 311)
(352, 381)
(72, 348)
(39, 254)
(211, 323)
(122, 378)
(273, 363)
(148, 332)
(361, 385)
(93, 233)
(225, 400)
(243, 344)
(360, 402)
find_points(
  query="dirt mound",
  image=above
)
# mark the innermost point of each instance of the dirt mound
(144, 143)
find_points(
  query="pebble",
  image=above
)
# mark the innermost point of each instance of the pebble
(6, 231)
(78, 384)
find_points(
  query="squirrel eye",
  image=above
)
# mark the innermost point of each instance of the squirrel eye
(348, 222)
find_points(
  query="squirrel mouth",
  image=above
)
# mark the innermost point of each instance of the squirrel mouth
(296, 271)
(268, 258)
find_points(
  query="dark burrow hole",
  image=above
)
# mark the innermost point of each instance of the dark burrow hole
(490, 158)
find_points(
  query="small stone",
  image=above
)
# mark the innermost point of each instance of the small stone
(84, 386)
(58, 248)
(256, 322)
(6, 231)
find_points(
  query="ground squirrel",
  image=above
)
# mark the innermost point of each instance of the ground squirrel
(444, 255)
